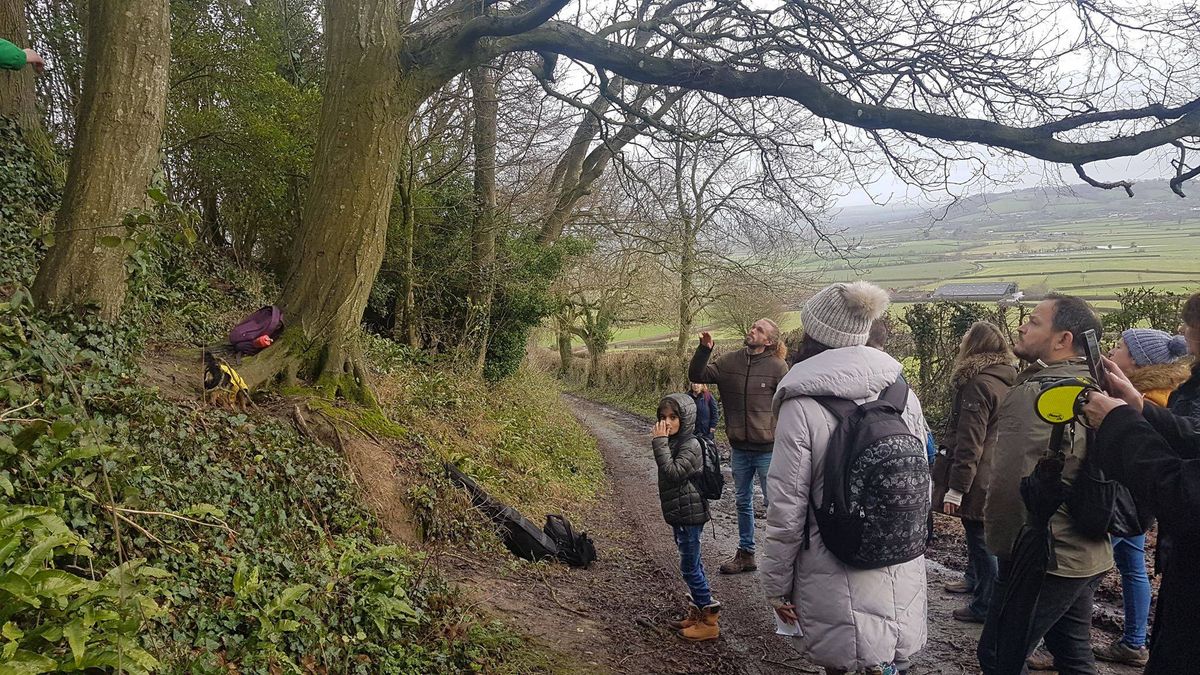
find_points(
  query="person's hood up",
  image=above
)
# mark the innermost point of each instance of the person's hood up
(687, 414)
(849, 372)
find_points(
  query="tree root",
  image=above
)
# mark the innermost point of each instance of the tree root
(334, 370)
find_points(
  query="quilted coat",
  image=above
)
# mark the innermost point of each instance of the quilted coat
(850, 619)
(678, 458)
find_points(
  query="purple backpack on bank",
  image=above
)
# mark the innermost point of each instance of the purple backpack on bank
(266, 321)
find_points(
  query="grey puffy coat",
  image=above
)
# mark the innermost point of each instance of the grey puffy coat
(851, 619)
(678, 458)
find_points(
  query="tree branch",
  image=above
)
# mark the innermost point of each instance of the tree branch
(1128, 186)
(808, 91)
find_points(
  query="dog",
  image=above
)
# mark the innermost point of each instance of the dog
(223, 385)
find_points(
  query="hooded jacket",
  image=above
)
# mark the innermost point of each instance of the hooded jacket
(747, 384)
(678, 458)
(980, 384)
(850, 619)
(1158, 381)
(1021, 441)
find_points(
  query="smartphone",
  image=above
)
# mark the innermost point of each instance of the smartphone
(1092, 350)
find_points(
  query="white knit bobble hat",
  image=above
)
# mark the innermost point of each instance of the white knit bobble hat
(841, 314)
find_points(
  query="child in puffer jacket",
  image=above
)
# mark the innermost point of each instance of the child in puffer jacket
(677, 453)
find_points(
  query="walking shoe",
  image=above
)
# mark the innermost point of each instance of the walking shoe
(1040, 659)
(689, 619)
(1119, 652)
(965, 614)
(960, 586)
(742, 561)
(706, 628)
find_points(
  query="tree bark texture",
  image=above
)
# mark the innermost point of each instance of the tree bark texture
(116, 149)
(340, 245)
(17, 98)
(483, 230)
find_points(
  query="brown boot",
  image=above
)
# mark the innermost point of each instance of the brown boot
(689, 619)
(706, 628)
(742, 561)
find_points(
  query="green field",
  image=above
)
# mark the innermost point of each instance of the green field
(1093, 245)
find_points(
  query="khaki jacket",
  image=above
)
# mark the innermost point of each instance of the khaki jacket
(980, 384)
(1021, 441)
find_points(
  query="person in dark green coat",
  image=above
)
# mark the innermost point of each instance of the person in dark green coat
(13, 57)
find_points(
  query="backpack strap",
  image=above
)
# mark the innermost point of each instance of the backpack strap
(840, 408)
(896, 394)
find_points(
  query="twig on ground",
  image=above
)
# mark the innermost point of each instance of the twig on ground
(7, 414)
(221, 525)
(149, 535)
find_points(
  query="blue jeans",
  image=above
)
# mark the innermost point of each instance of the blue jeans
(745, 465)
(687, 538)
(1130, 555)
(982, 568)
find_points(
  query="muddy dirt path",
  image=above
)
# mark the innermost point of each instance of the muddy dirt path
(611, 616)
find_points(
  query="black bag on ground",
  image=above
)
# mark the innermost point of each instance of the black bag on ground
(574, 548)
(519, 534)
(875, 504)
(709, 480)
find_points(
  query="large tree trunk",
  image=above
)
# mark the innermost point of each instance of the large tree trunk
(17, 98)
(339, 249)
(116, 149)
(483, 231)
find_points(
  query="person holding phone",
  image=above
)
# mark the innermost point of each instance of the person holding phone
(1156, 454)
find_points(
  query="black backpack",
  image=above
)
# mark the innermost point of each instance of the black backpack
(876, 489)
(574, 548)
(709, 480)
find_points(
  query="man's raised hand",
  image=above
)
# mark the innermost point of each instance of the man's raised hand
(706, 340)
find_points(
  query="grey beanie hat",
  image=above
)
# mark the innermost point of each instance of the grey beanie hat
(841, 314)
(1150, 347)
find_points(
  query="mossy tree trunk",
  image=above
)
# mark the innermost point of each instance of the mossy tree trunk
(483, 227)
(368, 101)
(116, 149)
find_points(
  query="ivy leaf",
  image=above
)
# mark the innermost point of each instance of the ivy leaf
(48, 239)
(157, 195)
(111, 241)
(189, 235)
(11, 631)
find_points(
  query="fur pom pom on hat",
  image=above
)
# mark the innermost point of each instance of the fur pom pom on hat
(1150, 347)
(841, 314)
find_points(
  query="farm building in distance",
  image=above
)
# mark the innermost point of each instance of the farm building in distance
(993, 291)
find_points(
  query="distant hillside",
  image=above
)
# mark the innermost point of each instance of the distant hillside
(1153, 202)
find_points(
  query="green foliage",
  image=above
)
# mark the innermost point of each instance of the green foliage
(937, 329)
(26, 193)
(523, 299)
(241, 119)
(1144, 307)
(258, 555)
